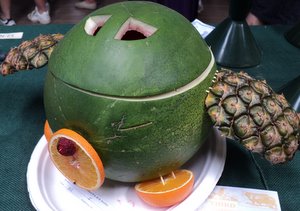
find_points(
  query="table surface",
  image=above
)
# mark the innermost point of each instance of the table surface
(22, 118)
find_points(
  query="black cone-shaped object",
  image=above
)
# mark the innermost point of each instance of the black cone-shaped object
(232, 42)
(291, 92)
(293, 35)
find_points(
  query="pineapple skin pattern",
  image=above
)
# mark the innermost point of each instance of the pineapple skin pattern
(30, 54)
(249, 111)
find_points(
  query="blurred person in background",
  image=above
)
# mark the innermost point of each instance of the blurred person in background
(274, 12)
(5, 18)
(86, 4)
(41, 12)
(187, 8)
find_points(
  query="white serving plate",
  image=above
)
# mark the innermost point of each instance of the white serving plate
(49, 190)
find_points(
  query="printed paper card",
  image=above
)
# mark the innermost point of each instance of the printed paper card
(235, 199)
(7, 36)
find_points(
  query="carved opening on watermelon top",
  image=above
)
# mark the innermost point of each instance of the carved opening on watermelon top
(134, 29)
(94, 23)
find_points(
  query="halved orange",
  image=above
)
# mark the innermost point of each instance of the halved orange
(76, 159)
(47, 131)
(167, 190)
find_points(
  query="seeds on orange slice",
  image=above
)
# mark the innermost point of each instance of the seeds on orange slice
(47, 131)
(76, 159)
(167, 190)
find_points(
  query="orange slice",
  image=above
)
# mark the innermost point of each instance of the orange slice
(168, 190)
(76, 159)
(47, 131)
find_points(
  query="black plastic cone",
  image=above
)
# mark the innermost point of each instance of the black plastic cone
(293, 35)
(232, 41)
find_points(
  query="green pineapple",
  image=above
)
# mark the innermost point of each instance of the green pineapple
(248, 110)
(30, 54)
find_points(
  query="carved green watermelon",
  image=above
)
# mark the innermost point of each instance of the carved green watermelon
(131, 79)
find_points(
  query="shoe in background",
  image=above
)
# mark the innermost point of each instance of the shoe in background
(7, 22)
(36, 17)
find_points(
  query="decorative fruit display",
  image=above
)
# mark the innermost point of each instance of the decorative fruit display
(126, 87)
(131, 82)
(248, 110)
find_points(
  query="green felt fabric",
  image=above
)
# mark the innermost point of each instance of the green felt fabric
(22, 118)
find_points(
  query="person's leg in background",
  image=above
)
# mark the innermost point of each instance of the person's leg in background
(40, 14)
(86, 4)
(6, 19)
(274, 12)
(187, 8)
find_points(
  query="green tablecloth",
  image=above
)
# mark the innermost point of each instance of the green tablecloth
(22, 118)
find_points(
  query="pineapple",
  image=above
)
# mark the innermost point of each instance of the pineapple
(30, 54)
(248, 110)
